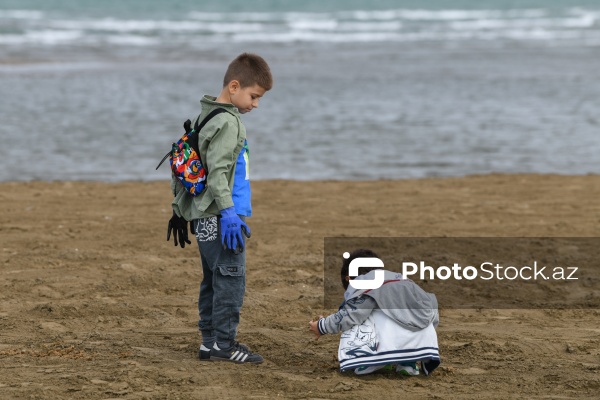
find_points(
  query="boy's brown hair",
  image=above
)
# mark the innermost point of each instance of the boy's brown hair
(249, 69)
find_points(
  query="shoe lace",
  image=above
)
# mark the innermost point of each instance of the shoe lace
(240, 347)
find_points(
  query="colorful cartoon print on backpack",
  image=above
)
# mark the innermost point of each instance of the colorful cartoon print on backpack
(184, 157)
(187, 167)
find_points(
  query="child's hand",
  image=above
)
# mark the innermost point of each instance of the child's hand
(314, 327)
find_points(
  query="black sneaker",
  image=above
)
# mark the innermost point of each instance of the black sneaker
(204, 353)
(238, 353)
(429, 366)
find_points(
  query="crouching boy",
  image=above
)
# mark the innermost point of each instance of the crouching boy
(392, 326)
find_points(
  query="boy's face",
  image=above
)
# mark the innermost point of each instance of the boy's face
(245, 99)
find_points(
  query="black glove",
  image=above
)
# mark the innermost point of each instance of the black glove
(179, 227)
(248, 234)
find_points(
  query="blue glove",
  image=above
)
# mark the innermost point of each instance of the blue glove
(232, 227)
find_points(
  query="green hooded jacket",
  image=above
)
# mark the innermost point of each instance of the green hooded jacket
(220, 143)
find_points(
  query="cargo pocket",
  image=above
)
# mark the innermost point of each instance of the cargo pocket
(230, 264)
(231, 269)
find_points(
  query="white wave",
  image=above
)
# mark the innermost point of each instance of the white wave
(549, 36)
(441, 15)
(131, 40)
(370, 26)
(445, 15)
(582, 11)
(45, 37)
(365, 37)
(423, 15)
(370, 15)
(309, 25)
(232, 27)
(585, 21)
(306, 36)
(267, 17)
(21, 14)
(115, 25)
(360, 15)
(510, 34)
(531, 13)
(250, 17)
(53, 37)
(336, 26)
(586, 15)
(294, 15)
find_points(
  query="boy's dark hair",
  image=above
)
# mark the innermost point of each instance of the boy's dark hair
(249, 69)
(359, 253)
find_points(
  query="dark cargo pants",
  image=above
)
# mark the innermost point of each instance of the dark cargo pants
(223, 283)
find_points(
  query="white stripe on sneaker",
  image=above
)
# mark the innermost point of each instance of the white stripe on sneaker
(239, 358)
(234, 355)
(244, 358)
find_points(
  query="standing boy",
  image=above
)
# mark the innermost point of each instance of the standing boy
(219, 213)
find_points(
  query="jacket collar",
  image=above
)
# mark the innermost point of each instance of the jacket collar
(211, 101)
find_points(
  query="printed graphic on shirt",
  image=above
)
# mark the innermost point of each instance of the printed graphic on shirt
(360, 340)
(247, 159)
(206, 230)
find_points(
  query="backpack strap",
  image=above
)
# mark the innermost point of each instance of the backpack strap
(193, 139)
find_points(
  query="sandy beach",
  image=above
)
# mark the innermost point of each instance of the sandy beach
(96, 304)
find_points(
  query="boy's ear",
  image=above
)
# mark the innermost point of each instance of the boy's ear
(347, 278)
(234, 86)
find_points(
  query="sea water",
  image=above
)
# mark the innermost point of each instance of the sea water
(94, 90)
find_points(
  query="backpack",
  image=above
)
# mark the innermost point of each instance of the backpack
(184, 157)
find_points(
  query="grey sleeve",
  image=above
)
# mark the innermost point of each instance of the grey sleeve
(173, 185)
(355, 312)
(176, 187)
